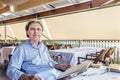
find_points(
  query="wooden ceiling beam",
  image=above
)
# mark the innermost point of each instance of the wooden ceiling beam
(5, 9)
(21, 4)
(48, 13)
(31, 4)
(98, 3)
(115, 1)
(64, 10)
(94, 3)
(13, 2)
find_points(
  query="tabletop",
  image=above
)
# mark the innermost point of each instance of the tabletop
(71, 55)
(97, 74)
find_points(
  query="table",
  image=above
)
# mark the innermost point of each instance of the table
(97, 74)
(5, 52)
(71, 55)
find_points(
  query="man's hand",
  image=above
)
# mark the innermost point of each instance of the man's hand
(29, 77)
(36, 78)
(62, 67)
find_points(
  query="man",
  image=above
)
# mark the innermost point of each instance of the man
(31, 60)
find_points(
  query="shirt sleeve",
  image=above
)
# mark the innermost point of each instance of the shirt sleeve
(14, 67)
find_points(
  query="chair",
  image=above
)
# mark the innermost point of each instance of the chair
(50, 47)
(68, 46)
(57, 58)
(98, 58)
(108, 56)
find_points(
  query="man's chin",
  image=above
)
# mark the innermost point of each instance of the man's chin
(35, 39)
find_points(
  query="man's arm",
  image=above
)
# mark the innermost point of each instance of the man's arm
(14, 67)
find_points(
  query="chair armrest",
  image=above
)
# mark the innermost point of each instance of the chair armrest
(81, 58)
(91, 55)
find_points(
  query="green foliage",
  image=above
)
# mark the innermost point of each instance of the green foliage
(51, 42)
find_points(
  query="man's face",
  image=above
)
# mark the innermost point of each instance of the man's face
(34, 31)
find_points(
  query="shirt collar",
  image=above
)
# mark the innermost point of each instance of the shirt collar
(28, 41)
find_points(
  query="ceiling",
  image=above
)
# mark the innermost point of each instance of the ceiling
(19, 10)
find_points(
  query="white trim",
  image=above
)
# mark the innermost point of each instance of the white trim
(46, 28)
(10, 29)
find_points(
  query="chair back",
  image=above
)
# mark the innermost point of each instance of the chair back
(110, 52)
(108, 59)
(101, 56)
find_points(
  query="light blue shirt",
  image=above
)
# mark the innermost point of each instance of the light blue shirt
(34, 61)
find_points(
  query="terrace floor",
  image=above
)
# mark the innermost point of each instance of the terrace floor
(3, 75)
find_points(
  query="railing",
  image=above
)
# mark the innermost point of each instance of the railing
(87, 43)
(94, 43)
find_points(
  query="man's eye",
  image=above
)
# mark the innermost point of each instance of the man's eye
(32, 29)
(38, 29)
